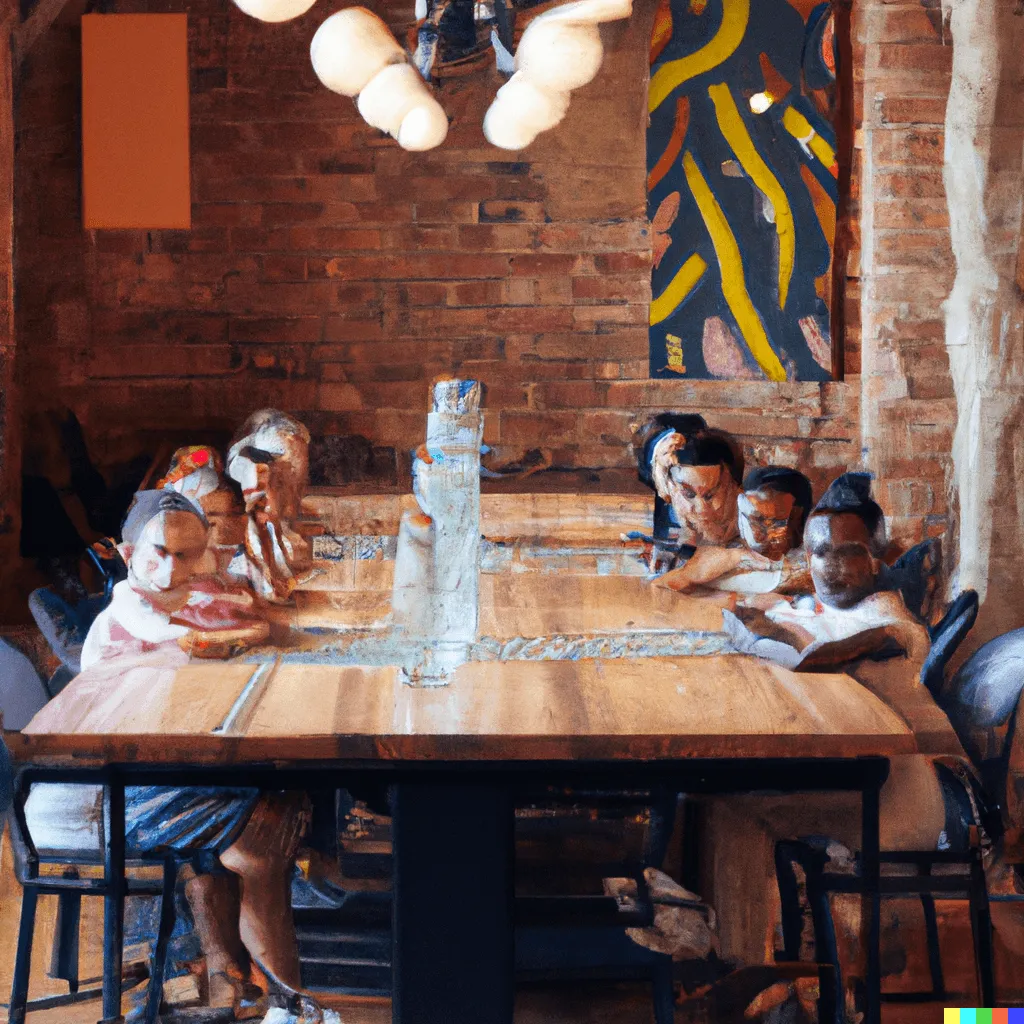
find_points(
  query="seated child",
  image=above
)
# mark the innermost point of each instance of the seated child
(219, 600)
(851, 613)
(253, 836)
(771, 512)
(164, 536)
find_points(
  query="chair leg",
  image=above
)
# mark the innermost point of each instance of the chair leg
(113, 902)
(931, 931)
(64, 958)
(826, 950)
(163, 937)
(981, 932)
(663, 992)
(662, 822)
(789, 897)
(23, 957)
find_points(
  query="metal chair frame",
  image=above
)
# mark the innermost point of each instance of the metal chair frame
(924, 885)
(70, 887)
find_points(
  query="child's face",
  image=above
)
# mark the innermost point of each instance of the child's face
(842, 566)
(226, 517)
(704, 499)
(167, 552)
(769, 522)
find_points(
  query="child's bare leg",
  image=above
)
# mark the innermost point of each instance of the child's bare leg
(215, 901)
(262, 857)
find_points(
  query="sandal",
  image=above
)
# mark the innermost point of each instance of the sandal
(245, 1000)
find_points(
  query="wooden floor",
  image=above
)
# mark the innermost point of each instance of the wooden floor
(597, 1004)
(551, 1004)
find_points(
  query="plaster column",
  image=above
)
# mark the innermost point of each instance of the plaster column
(984, 313)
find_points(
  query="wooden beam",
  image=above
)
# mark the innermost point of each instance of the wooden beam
(10, 490)
(28, 33)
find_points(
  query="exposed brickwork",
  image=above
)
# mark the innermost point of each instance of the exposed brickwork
(332, 274)
(907, 266)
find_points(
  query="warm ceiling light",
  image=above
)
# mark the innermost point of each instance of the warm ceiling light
(350, 47)
(761, 101)
(560, 51)
(354, 53)
(274, 10)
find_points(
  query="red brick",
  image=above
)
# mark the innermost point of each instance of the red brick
(622, 262)
(337, 328)
(620, 288)
(510, 211)
(913, 110)
(911, 213)
(497, 237)
(159, 361)
(918, 58)
(908, 25)
(570, 395)
(899, 147)
(276, 331)
(457, 267)
(534, 428)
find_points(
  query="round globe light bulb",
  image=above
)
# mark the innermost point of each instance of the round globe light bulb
(274, 10)
(560, 56)
(521, 111)
(350, 47)
(390, 95)
(424, 127)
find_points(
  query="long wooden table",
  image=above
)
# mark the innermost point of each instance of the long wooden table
(455, 756)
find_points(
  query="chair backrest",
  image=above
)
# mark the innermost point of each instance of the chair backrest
(6, 778)
(65, 625)
(986, 688)
(22, 691)
(65, 821)
(946, 637)
(913, 572)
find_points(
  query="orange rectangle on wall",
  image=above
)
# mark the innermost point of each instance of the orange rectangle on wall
(135, 144)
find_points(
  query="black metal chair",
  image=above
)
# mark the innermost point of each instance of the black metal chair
(64, 624)
(65, 881)
(924, 884)
(946, 636)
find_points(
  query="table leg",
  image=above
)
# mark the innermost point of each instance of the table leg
(113, 901)
(871, 901)
(453, 938)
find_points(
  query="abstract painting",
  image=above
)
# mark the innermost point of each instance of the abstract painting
(742, 189)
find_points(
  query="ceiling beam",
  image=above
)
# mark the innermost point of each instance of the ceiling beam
(27, 34)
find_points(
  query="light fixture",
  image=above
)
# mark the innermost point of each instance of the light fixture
(560, 51)
(274, 10)
(354, 53)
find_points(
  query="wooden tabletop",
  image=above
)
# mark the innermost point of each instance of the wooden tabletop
(530, 605)
(726, 706)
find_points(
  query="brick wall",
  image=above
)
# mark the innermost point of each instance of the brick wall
(906, 264)
(332, 274)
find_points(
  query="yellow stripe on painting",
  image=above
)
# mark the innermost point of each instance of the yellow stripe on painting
(735, 15)
(736, 134)
(678, 288)
(800, 128)
(734, 288)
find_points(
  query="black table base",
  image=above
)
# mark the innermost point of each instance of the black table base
(453, 928)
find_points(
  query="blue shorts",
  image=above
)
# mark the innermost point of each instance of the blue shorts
(193, 820)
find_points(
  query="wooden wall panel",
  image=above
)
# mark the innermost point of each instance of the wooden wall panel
(135, 121)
